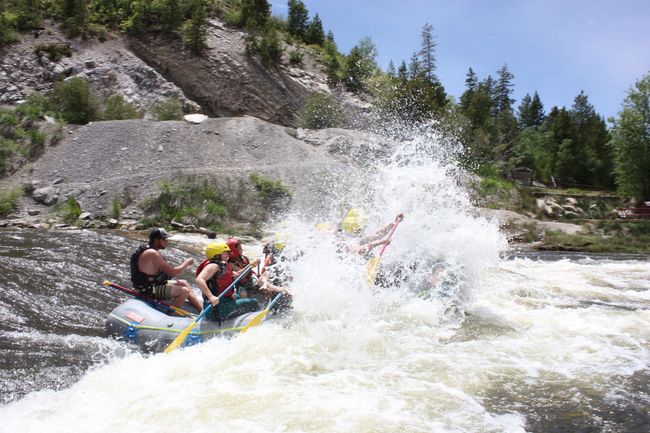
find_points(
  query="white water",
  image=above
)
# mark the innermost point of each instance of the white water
(527, 337)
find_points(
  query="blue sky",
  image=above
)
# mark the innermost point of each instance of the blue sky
(556, 48)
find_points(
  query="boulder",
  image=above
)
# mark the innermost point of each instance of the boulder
(46, 196)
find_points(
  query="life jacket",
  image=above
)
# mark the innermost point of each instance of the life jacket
(241, 262)
(140, 279)
(221, 280)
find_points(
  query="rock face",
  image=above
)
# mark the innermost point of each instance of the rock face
(102, 160)
(109, 66)
(225, 81)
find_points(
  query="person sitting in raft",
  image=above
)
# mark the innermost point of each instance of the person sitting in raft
(354, 223)
(152, 275)
(213, 276)
(250, 286)
(275, 262)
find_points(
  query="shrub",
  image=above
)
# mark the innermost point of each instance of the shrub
(74, 101)
(8, 23)
(170, 109)
(270, 48)
(54, 51)
(320, 111)
(269, 190)
(118, 109)
(70, 210)
(116, 208)
(9, 199)
(34, 107)
(296, 57)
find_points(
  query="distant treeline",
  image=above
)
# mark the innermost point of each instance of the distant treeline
(568, 146)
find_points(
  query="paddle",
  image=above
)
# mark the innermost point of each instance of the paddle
(149, 300)
(257, 320)
(371, 272)
(178, 341)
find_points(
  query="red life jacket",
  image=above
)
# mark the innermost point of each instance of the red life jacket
(221, 280)
(241, 262)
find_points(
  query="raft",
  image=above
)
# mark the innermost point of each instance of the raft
(138, 322)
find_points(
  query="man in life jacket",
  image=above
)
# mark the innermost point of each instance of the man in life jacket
(251, 286)
(353, 225)
(213, 276)
(152, 275)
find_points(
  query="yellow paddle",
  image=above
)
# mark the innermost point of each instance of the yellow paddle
(257, 320)
(178, 341)
(373, 264)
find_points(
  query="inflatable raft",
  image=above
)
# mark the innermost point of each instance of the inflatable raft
(140, 323)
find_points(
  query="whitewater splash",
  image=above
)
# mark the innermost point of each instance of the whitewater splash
(537, 346)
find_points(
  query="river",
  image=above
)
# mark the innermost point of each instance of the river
(502, 342)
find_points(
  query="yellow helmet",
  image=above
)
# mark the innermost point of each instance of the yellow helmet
(280, 241)
(216, 248)
(354, 221)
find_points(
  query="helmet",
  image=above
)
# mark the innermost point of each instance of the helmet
(280, 241)
(354, 221)
(232, 244)
(158, 233)
(216, 248)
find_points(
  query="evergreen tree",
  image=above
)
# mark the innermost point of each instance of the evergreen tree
(402, 72)
(631, 142)
(254, 13)
(8, 24)
(471, 83)
(390, 70)
(270, 48)
(75, 17)
(531, 111)
(428, 53)
(195, 30)
(171, 15)
(297, 19)
(414, 66)
(314, 33)
(503, 90)
(355, 73)
(30, 15)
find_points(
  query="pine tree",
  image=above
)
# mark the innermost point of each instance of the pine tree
(531, 111)
(390, 70)
(428, 53)
(297, 19)
(195, 30)
(471, 83)
(30, 15)
(631, 142)
(254, 14)
(171, 16)
(503, 90)
(414, 66)
(314, 33)
(402, 72)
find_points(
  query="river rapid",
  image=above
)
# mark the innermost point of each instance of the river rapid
(500, 341)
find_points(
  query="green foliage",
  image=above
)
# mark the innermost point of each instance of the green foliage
(30, 15)
(33, 109)
(169, 109)
(54, 51)
(320, 111)
(171, 15)
(8, 25)
(8, 148)
(74, 101)
(9, 199)
(296, 57)
(195, 30)
(297, 19)
(314, 33)
(70, 210)
(116, 208)
(254, 13)
(76, 17)
(269, 48)
(269, 190)
(532, 149)
(628, 240)
(117, 108)
(631, 142)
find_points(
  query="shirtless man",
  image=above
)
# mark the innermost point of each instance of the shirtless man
(152, 275)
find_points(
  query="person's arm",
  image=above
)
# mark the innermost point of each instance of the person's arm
(202, 281)
(383, 231)
(168, 269)
(237, 272)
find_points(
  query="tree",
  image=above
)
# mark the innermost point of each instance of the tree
(471, 83)
(360, 65)
(8, 25)
(321, 111)
(531, 111)
(118, 109)
(314, 33)
(503, 90)
(195, 30)
(297, 19)
(254, 13)
(631, 142)
(74, 101)
(428, 53)
(171, 15)
(30, 14)
(75, 17)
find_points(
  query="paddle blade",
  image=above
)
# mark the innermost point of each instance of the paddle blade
(178, 341)
(371, 271)
(256, 321)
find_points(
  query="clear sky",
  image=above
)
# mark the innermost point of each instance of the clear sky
(554, 47)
